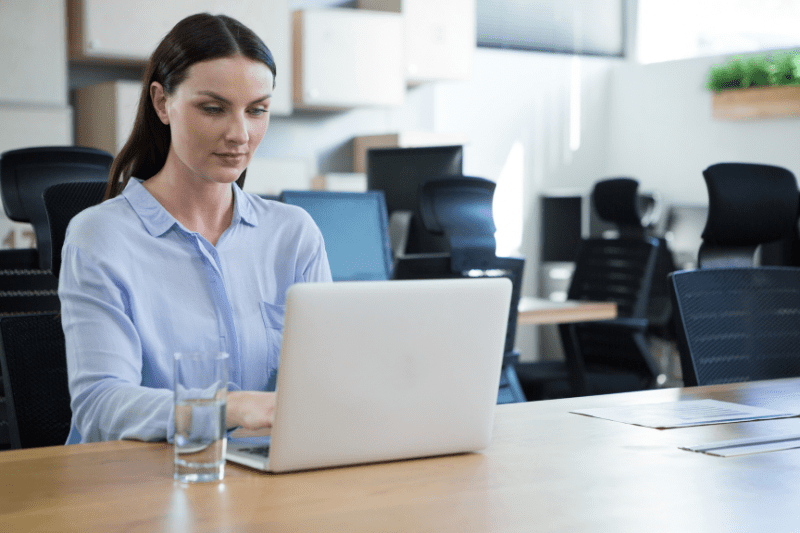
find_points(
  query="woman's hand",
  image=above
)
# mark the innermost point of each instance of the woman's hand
(250, 409)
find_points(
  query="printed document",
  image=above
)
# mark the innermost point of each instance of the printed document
(683, 413)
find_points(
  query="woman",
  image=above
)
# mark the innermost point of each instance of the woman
(179, 258)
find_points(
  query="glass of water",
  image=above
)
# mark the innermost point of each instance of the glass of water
(201, 390)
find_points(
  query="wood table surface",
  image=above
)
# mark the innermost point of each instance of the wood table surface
(546, 470)
(538, 311)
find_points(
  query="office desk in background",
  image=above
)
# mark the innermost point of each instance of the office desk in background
(546, 470)
(539, 311)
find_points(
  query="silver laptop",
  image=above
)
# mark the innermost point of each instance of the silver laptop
(376, 371)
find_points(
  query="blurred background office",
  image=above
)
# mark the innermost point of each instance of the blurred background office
(546, 97)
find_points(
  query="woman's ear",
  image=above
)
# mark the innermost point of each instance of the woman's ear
(159, 99)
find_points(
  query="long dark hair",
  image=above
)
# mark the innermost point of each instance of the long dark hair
(196, 38)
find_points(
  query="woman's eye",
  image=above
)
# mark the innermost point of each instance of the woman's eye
(212, 109)
(258, 111)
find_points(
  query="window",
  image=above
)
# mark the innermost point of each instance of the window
(680, 29)
(591, 27)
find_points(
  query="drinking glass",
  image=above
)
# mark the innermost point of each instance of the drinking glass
(201, 390)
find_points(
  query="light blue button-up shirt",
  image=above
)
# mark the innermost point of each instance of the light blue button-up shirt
(136, 286)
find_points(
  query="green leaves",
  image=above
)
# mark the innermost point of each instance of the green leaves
(781, 68)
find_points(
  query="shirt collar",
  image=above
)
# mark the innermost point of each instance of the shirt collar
(243, 208)
(158, 221)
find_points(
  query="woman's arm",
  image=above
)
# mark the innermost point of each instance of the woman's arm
(104, 358)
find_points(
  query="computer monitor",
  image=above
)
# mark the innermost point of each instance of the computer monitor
(399, 173)
(561, 227)
(355, 228)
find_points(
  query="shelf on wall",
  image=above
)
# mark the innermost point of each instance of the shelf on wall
(756, 102)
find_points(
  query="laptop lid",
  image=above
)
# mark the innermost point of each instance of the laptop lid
(383, 370)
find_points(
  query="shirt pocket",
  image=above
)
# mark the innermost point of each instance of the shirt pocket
(272, 315)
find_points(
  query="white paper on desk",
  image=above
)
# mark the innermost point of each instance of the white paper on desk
(683, 413)
(730, 448)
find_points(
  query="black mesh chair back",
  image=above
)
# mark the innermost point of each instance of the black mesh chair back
(28, 291)
(34, 366)
(615, 270)
(738, 324)
(62, 202)
(26, 173)
(620, 271)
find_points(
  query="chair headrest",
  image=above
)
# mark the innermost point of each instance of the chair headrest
(458, 204)
(460, 208)
(749, 204)
(26, 173)
(616, 200)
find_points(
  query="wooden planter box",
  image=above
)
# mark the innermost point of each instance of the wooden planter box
(756, 102)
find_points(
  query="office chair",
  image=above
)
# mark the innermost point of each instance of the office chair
(459, 209)
(62, 202)
(612, 355)
(739, 321)
(34, 366)
(26, 173)
(617, 200)
(25, 281)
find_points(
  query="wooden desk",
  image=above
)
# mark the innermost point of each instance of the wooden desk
(537, 311)
(546, 470)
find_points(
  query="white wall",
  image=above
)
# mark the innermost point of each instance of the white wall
(661, 131)
(324, 140)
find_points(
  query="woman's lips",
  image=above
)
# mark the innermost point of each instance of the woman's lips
(232, 158)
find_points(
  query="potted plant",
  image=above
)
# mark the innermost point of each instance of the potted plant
(756, 86)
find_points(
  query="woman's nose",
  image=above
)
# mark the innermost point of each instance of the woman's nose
(237, 130)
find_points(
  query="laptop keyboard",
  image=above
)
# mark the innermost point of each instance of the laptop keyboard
(257, 450)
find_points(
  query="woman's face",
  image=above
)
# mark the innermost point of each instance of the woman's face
(217, 116)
